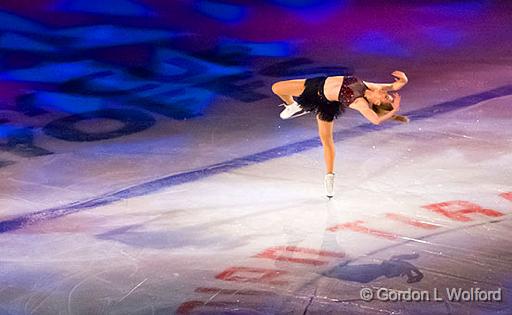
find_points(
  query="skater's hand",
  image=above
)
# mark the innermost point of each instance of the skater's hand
(400, 76)
(396, 101)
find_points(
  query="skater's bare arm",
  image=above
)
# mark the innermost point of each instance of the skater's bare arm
(400, 81)
(364, 109)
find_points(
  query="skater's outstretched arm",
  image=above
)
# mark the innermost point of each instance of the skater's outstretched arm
(400, 81)
(364, 109)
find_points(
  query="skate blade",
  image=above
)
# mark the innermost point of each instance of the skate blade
(298, 114)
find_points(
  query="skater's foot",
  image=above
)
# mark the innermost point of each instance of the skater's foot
(329, 185)
(292, 110)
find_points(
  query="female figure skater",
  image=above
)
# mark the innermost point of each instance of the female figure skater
(329, 96)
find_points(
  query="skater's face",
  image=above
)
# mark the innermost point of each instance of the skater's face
(379, 97)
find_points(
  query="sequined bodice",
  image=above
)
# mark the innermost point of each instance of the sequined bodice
(351, 89)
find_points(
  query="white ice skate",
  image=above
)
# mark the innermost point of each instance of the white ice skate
(291, 111)
(329, 185)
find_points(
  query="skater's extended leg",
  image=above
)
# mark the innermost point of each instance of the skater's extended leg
(286, 90)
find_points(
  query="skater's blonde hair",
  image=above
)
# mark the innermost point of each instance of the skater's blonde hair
(385, 108)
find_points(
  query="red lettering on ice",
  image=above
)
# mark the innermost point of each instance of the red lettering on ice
(458, 210)
(249, 274)
(411, 221)
(284, 253)
(357, 227)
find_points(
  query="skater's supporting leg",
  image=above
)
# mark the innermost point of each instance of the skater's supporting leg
(325, 131)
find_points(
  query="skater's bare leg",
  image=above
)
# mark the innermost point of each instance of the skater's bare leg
(325, 131)
(286, 90)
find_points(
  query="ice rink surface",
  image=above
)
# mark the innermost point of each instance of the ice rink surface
(166, 183)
